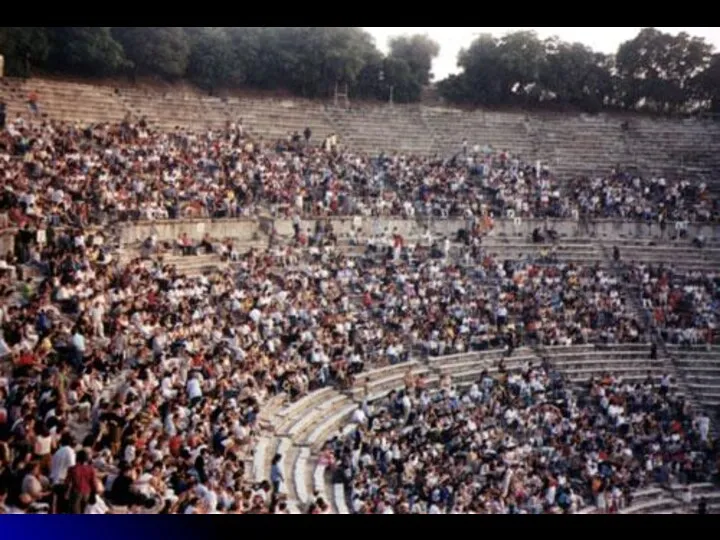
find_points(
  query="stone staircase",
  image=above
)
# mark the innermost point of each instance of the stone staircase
(373, 130)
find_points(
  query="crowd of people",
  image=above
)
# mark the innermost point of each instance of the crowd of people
(684, 306)
(82, 175)
(130, 387)
(522, 442)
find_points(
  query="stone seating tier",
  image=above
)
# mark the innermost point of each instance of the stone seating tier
(570, 143)
(302, 427)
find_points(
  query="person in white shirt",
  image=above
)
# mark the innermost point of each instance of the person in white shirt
(96, 314)
(704, 427)
(62, 460)
(194, 390)
(359, 417)
(96, 505)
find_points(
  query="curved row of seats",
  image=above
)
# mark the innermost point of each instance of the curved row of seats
(300, 429)
(577, 250)
(701, 367)
(674, 499)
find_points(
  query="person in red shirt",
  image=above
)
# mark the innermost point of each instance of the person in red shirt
(175, 445)
(81, 483)
(26, 359)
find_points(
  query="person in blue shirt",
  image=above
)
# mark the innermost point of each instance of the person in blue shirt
(78, 349)
(276, 476)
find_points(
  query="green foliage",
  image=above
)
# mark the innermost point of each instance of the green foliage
(653, 71)
(159, 50)
(484, 80)
(211, 62)
(660, 71)
(417, 52)
(572, 73)
(84, 50)
(23, 47)
(709, 84)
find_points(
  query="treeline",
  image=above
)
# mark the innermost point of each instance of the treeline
(654, 71)
(308, 61)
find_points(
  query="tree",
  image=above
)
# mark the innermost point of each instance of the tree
(211, 62)
(455, 88)
(370, 81)
(653, 71)
(330, 55)
(84, 50)
(161, 50)
(399, 79)
(660, 71)
(499, 71)
(249, 53)
(574, 74)
(305, 60)
(521, 55)
(23, 47)
(483, 75)
(417, 52)
(709, 83)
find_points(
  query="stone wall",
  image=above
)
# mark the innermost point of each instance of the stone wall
(247, 230)
(168, 230)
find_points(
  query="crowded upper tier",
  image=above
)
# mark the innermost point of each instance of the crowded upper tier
(97, 174)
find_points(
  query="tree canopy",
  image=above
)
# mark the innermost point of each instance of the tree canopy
(653, 71)
(661, 71)
(308, 61)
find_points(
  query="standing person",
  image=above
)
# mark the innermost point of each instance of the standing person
(33, 102)
(664, 384)
(702, 506)
(81, 483)
(97, 313)
(276, 476)
(42, 447)
(62, 460)
(23, 240)
(194, 390)
(703, 423)
(307, 133)
(78, 343)
(296, 225)
(2, 115)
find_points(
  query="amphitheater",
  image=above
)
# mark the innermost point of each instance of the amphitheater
(569, 144)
